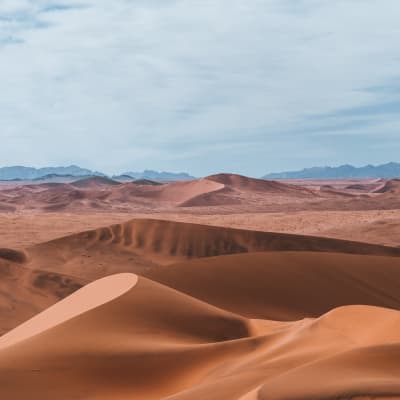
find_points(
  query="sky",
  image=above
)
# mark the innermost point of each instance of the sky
(201, 86)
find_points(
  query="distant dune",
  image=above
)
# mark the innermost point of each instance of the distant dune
(215, 193)
(237, 189)
(244, 183)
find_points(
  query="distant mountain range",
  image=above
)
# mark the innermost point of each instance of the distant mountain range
(389, 170)
(159, 176)
(30, 173)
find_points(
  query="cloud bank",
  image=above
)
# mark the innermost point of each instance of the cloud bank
(202, 86)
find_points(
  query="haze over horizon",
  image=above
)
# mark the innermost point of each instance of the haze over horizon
(201, 87)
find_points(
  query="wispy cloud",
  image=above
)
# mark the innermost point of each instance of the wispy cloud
(198, 85)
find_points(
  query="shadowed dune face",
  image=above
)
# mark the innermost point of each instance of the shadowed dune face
(128, 337)
(15, 256)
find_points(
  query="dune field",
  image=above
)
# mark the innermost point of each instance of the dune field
(222, 288)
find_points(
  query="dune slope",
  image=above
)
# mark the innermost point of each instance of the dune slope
(140, 339)
(286, 285)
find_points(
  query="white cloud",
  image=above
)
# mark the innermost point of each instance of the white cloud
(197, 85)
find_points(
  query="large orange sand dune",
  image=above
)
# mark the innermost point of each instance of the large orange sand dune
(143, 340)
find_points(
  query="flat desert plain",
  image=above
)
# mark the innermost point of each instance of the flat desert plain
(221, 288)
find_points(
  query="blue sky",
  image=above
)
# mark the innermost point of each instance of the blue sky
(199, 85)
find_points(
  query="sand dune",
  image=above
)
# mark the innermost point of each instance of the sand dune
(221, 191)
(142, 244)
(120, 348)
(238, 190)
(244, 183)
(140, 339)
(180, 192)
